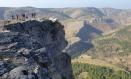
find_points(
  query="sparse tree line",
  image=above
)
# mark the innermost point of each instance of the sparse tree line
(98, 72)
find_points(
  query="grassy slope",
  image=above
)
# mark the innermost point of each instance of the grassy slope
(117, 43)
(85, 67)
(87, 71)
(89, 60)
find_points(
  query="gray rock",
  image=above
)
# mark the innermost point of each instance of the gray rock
(3, 68)
(35, 50)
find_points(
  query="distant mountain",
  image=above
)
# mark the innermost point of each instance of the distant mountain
(3, 12)
(118, 15)
(6, 13)
(109, 17)
(99, 21)
(61, 13)
(78, 13)
(70, 13)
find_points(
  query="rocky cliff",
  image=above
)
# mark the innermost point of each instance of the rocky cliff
(33, 50)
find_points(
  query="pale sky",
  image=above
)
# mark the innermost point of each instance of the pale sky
(124, 4)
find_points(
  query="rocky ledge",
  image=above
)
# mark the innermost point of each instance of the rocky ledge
(33, 50)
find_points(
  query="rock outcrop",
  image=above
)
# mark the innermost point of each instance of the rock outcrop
(33, 50)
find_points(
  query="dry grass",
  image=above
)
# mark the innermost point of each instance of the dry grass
(89, 60)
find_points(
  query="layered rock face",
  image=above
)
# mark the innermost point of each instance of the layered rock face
(33, 50)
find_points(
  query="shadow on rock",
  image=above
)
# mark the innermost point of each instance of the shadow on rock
(86, 34)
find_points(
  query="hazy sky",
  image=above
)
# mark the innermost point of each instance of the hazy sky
(126, 4)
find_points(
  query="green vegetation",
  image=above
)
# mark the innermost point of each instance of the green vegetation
(98, 72)
(117, 43)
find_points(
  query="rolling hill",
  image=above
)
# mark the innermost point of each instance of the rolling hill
(110, 51)
(114, 48)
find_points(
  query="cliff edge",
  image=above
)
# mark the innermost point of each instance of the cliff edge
(33, 50)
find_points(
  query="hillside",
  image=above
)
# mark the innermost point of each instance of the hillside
(88, 71)
(86, 13)
(110, 54)
(7, 12)
(102, 19)
(86, 67)
(118, 41)
(79, 34)
(114, 48)
(99, 42)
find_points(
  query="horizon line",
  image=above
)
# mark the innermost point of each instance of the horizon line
(63, 7)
